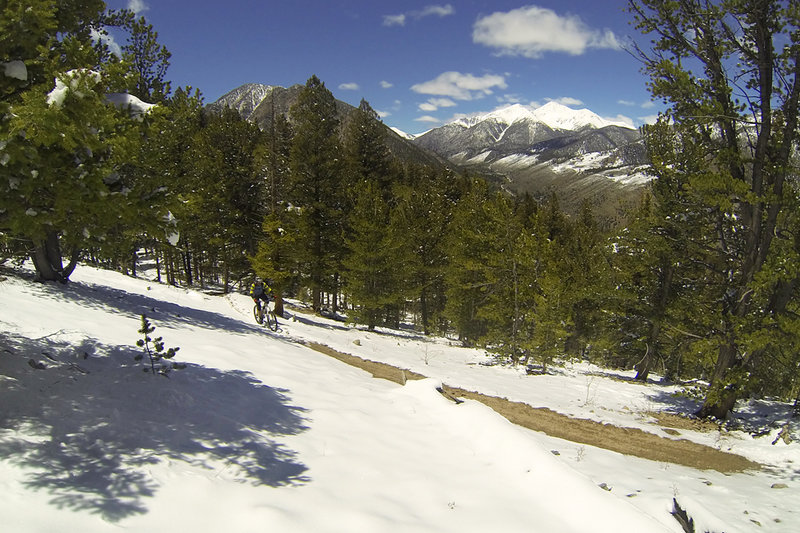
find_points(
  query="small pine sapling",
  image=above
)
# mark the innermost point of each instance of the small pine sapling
(154, 348)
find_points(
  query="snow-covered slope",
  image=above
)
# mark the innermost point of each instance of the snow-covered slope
(552, 148)
(552, 114)
(260, 433)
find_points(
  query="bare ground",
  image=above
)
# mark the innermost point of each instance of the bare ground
(628, 441)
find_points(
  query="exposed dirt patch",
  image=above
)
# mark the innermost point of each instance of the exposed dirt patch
(628, 441)
(671, 420)
(378, 370)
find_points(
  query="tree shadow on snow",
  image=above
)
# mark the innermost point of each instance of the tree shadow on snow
(90, 431)
(120, 301)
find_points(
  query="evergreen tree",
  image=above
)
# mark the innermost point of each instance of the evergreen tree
(274, 260)
(316, 188)
(513, 268)
(366, 153)
(730, 71)
(371, 264)
(64, 146)
(421, 220)
(471, 241)
(228, 188)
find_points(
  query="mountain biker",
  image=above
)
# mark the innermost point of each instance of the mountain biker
(260, 291)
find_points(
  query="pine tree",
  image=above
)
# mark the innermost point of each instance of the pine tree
(367, 157)
(511, 269)
(371, 265)
(316, 179)
(737, 114)
(274, 260)
(421, 220)
(64, 146)
(229, 192)
(471, 241)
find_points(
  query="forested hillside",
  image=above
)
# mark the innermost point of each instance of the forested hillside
(702, 282)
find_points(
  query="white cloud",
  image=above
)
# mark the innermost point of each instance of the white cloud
(427, 11)
(137, 6)
(349, 87)
(461, 86)
(566, 100)
(648, 105)
(442, 102)
(428, 118)
(649, 119)
(394, 20)
(532, 30)
(622, 119)
(109, 41)
(509, 99)
(626, 102)
(383, 114)
(441, 11)
(433, 104)
(386, 85)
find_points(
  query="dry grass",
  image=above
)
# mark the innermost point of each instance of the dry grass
(628, 441)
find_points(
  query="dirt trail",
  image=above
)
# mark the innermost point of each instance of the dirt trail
(628, 441)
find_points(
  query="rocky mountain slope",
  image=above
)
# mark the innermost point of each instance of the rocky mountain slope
(574, 153)
(259, 103)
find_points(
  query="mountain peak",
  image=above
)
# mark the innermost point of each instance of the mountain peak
(559, 116)
(554, 115)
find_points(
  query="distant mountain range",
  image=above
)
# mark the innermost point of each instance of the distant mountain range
(552, 148)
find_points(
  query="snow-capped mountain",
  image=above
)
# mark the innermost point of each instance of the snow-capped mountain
(552, 148)
(552, 114)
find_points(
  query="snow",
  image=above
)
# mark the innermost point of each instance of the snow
(15, 69)
(70, 83)
(559, 116)
(605, 164)
(404, 135)
(262, 433)
(552, 114)
(136, 107)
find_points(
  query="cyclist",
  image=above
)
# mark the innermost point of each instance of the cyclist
(260, 291)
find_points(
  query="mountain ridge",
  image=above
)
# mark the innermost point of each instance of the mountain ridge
(551, 149)
(258, 103)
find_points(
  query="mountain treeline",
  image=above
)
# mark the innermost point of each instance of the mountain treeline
(701, 283)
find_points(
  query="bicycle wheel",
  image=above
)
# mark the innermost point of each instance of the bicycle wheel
(272, 320)
(259, 316)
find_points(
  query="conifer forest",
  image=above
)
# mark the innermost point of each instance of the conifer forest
(697, 280)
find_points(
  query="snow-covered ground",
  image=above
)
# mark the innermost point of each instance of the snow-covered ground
(261, 433)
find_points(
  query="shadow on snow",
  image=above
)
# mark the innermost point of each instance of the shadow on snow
(89, 431)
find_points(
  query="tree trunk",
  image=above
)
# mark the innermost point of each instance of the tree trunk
(721, 397)
(48, 262)
(643, 366)
(423, 308)
(187, 266)
(279, 305)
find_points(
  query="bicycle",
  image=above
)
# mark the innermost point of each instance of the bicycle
(262, 314)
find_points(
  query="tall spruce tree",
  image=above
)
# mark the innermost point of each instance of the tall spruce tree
(471, 241)
(421, 219)
(372, 264)
(372, 277)
(316, 188)
(730, 73)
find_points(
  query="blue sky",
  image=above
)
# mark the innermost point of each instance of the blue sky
(420, 64)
